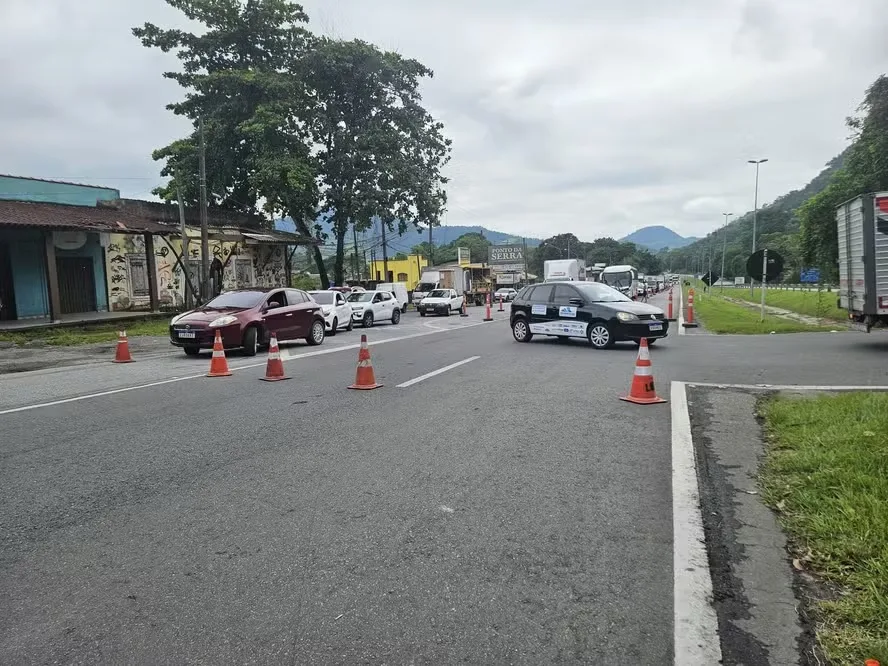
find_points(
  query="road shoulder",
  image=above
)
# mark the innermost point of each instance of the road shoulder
(753, 584)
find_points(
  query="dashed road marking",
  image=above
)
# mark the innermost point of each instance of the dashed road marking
(433, 373)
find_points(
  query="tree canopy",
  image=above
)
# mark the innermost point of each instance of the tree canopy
(300, 126)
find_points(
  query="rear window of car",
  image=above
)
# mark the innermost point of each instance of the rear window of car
(542, 293)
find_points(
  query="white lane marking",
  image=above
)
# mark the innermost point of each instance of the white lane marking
(790, 387)
(695, 620)
(427, 375)
(290, 357)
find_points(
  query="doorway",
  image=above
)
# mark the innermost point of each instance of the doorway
(7, 290)
(77, 284)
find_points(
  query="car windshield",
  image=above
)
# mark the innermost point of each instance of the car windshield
(425, 286)
(236, 299)
(322, 297)
(438, 293)
(360, 297)
(600, 293)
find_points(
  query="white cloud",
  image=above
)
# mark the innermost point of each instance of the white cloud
(594, 118)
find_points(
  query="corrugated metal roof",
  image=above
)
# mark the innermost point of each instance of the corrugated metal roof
(278, 237)
(84, 218)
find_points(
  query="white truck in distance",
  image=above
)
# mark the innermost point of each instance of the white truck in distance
(622, 278)
(439, 278)
(863, 260)
(564, 270)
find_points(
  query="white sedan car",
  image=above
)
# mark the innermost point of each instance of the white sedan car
(335, 308)
(440, 301)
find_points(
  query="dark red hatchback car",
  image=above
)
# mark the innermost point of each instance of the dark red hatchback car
(247, 318)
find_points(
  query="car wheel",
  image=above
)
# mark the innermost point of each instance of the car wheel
(368, 320)
(351, 323)
(335, 326)
(192, 351)
(521, 330)
(422, 313)
(317, 333)
(251, 341)
(396, 316)
(448, 310)
(600, 335)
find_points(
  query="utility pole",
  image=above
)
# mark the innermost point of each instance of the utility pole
(183, 254)
(355, 262)
(431, 248)
(385, 258)
(204, 223)
(526, 279)
(724, 248)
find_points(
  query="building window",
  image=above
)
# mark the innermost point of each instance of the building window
(402, 277)
(138, 275)
(243, 272)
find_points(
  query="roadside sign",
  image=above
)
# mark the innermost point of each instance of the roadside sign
(739, 280)
(754, 265)
(810, 275)
(505, 255)
(709, 278)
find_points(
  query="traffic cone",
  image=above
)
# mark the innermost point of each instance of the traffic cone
(364, 377)
(642, 391)
(464, 312)
(501, 304)
(871, 662)
(689, 321)
(218, 364)
(274, 369)
(669, 316)
(487, 315)
(122, 355)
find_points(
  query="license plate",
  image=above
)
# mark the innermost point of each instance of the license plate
(656, 327)
(186, 334)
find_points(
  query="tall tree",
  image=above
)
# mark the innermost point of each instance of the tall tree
(380, 153)
(243, 76)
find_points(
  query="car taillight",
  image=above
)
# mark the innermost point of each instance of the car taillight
(883, 301)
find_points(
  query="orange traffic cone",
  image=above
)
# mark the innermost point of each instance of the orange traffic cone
(464, 312)
(871, 662)
(274, 369)
(364, 377)
(487, 315)
(642, 391)
(218, 364)
(669, 316)
(689, 322)
(122, 355)
(501, 304)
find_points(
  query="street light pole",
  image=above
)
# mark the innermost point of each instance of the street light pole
(756, 203)
(724, 248)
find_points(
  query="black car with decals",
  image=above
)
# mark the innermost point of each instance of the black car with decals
(590, 310)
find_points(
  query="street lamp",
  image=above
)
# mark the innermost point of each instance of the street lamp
(756, 204)
(547, 244)
(724, 249)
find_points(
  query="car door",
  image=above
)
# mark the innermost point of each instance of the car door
(540, 300)
(567, 311)
(343, 309)
(388, 305)
(304, 308)
(278, 316)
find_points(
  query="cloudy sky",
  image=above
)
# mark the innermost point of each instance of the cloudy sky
(596, 118)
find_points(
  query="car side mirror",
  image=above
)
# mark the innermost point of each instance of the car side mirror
(579, 302)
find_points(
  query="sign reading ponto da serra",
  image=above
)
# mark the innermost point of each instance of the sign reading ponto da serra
(500, 255)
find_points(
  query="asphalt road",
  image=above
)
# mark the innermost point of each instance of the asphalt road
(509, 510)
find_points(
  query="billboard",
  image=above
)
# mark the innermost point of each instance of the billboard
(463, 256)
(506, 257)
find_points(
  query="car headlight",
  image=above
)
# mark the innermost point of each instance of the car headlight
(626, 316)
(176, 318)
(223, 321)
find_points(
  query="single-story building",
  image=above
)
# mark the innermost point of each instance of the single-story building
(69, 250)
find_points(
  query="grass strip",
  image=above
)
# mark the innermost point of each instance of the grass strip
(720, 316)
(826, 473)
(79, 335)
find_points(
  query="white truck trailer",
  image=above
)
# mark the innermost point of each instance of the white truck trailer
(862, 226)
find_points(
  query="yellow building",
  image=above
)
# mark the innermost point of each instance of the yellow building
(399, 270)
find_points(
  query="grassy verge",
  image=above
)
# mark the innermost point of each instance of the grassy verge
(812, 303)
(720, 316)
(80, 335)
(826, 473)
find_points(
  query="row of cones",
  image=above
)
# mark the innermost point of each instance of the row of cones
(641, 392)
